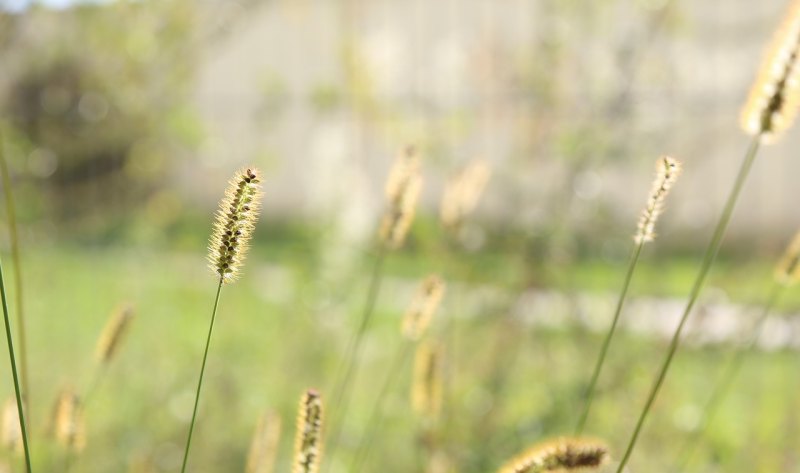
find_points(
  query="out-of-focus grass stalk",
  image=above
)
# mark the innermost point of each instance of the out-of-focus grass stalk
(13, 234)
(402, 190)
(667, 172)
(786, 274)
(769, 111)
(725, 381)
(708, 259)
(12, 358)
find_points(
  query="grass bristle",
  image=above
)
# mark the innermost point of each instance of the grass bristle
(112, 334)
(11, 434)
(236, 218)
(264, 447)
(308, 439)
(427, 385)
(562, 454)
(463, 192)
(68, 423)
(423, 307)
(787, 271)
(772, 104)
(403, 188)
(667, 172)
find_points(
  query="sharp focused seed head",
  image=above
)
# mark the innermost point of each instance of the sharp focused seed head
(403, 188)
(774, 98)
(235, 221)
(787, 271)
(308, 439)
(563, 454)
(68, 423)
(463, 192)
(667, 172)
(113, 332)
(423, 307)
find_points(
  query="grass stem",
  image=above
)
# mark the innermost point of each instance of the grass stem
(708, 260)
(200, 380)
(13, 360)
(728, 376)
(348, 367)
(13, 235)
(590, 391)
(375, 418)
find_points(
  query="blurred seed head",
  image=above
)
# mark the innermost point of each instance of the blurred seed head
(403, 188)
(775, 96)
(562, 454)
(68, 422)
(462, 193)
(667, 172)
(11, 433)
(236, 219)
(308, 439)
(264, 447)
(424, 305)
(426, 388)
(787, 271)
(112, 334)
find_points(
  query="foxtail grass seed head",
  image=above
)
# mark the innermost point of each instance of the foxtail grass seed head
(423, 307)
(403, 188)
(11, 433)
(563, 455)
(235, 221)
(463, 192)
(308, 439)
(667, 171)
(774, 98)
(113, 333)
(68, 422)
(426, 388)
(787, 271)
(264, 447)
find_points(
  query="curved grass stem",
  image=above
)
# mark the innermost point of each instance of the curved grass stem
(590, 391)
(731, 370)
(376, 416)
(708, 260)
(13, 360)
(348, 367)
(200, 380)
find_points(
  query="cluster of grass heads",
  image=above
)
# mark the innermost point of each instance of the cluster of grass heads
(325, 437)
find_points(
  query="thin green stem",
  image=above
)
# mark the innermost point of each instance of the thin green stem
(341, 391)
(728, 376)
(376, 416)
(13, 234)
(708, 260)
(200, 380)
(13, 360)
(590, 391)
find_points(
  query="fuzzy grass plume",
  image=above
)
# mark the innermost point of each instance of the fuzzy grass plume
(563, 454)
(427, 384)
(68, 422)
(463, 192)
(264, 447)
(787, 271)
(236, 219)
(308, 439)
(423, 307)
(667, 171)
(775, 96)
(403, 188)
(113, 333)
(11, 435)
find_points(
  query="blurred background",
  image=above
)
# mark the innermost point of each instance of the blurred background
(121, 122)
